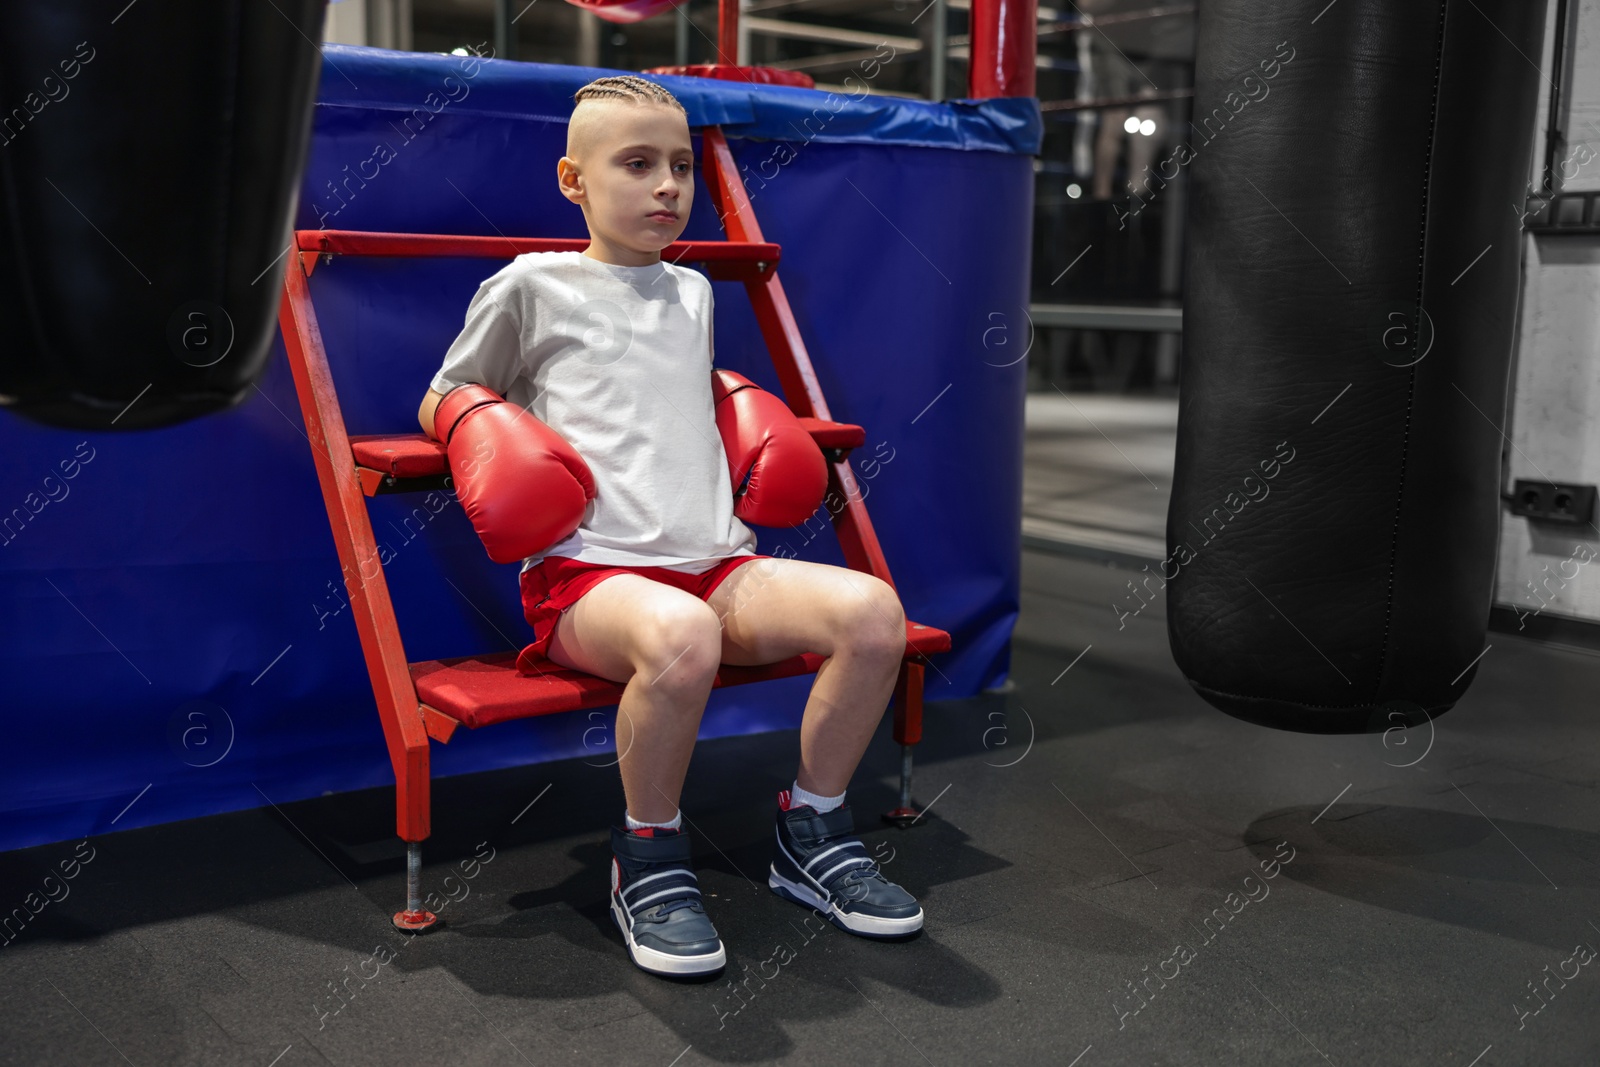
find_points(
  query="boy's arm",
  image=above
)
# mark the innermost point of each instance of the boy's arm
(430, 404)
(487, 352)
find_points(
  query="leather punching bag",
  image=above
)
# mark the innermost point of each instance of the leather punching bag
(1358, 172)
(150, 158)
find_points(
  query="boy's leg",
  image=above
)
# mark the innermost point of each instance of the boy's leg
(771, 609)
(664, 643)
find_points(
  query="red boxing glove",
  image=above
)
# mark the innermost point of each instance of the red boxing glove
(522, 485)
(778, 473)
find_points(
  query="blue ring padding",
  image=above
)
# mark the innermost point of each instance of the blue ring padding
(178, 643)
(378, 78)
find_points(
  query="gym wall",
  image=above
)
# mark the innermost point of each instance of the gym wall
(1547, 570)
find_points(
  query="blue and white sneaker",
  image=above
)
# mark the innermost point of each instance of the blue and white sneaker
(822, 865)
(655, 902)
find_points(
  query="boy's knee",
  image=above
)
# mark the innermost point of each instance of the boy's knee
(875, 620)
(681, 647)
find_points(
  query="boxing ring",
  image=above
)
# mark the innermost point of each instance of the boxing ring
(176, 594)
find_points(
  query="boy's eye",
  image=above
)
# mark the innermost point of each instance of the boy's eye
(680, 168)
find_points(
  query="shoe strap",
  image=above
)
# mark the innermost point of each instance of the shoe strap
(653, 896)
(673, 848)
(816, 827)
(837, 859)
(663, 909)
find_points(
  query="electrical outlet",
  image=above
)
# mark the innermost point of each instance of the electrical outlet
(1553, 502)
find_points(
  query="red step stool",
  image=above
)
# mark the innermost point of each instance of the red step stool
(432, 698)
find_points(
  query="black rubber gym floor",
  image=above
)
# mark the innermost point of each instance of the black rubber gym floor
(1148, 882)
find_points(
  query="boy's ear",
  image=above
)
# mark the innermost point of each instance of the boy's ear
(567, 180)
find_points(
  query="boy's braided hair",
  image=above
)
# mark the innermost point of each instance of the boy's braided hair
(628, 87)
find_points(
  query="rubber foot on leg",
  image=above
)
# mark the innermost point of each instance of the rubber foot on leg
(416, 922)
(902, 816)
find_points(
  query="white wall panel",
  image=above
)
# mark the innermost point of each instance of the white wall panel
(1543, 567)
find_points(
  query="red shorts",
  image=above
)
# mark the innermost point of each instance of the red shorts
(557, 582)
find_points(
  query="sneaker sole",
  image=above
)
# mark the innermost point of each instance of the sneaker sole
(658, 962)
(864, 925)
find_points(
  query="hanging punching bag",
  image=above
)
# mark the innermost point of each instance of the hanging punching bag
(1358, 172)
(149, 162)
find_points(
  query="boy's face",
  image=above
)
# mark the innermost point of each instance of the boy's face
(631, 168)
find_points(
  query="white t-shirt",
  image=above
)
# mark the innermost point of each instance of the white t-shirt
(617, 360)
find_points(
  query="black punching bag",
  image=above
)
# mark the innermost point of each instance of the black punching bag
(150, 158)
(1358, 174)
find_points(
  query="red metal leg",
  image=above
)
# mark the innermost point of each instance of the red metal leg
(415, 918)
(398, 708)
(907, 731)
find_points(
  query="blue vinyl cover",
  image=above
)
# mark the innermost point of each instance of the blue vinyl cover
(177, 643)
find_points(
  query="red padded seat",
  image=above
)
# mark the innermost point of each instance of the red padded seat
(481, 690)
(411, 455)
(833, 434)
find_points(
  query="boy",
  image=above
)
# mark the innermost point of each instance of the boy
(660, 584)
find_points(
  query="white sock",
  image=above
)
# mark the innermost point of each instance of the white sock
(635, 824)
(798, 796)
